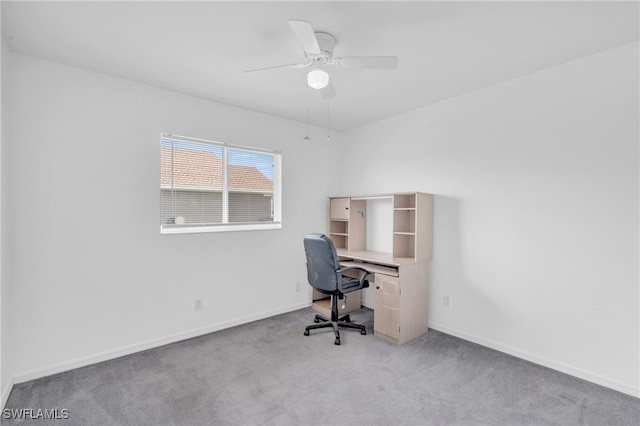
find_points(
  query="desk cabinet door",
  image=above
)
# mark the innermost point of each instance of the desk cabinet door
(387, 306)
(339, 208)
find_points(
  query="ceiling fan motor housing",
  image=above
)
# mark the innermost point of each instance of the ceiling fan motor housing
(326, 42)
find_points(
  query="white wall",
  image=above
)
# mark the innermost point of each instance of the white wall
(535, 214)
(90, 274)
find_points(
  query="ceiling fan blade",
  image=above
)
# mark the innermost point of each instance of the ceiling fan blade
(328, 92)
(374, 62)
(292, 66)
(306, 36)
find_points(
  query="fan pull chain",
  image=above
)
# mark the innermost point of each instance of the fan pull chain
(307, 138)
(328, 123)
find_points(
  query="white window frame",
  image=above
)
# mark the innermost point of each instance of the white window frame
(225, 226)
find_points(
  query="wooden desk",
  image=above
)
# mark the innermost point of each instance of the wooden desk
(400, 278)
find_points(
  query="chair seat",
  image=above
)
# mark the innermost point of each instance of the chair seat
(348, 285)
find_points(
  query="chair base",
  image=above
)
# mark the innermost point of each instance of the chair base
(344, 322)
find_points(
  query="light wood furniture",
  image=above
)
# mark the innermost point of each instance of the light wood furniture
(400, 276)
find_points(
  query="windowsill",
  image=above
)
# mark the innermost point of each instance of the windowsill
(221, 228)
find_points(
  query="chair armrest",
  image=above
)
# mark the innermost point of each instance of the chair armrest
(362, 282)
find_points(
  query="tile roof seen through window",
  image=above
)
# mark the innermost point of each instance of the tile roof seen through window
(197, 169)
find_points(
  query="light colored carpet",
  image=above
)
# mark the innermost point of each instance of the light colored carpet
(267, 372)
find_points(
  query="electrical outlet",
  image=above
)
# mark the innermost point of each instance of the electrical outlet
(446, 301)
(297, 287)
(197, 305)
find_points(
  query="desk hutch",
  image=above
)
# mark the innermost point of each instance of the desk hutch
(399, 277)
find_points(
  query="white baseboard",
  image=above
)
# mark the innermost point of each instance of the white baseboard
(149, 344)
(5, 393)
(554, 365)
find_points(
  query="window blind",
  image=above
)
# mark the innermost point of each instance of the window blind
(206, 184)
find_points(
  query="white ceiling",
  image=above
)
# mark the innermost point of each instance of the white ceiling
(444, 48)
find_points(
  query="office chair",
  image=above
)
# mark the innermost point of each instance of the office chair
(325, 275)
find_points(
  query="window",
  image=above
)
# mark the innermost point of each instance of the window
(210, 186)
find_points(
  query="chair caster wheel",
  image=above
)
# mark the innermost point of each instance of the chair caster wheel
(306, 332)
(363, 332)
(337, 342)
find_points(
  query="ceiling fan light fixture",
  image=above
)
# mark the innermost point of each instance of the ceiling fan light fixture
(318, 78)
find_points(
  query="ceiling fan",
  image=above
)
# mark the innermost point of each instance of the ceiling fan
(318, 52)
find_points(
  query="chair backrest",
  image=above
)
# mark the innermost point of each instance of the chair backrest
(322, 262)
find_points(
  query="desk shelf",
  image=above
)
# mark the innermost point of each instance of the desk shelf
(347, 222)
(405, 201)
(404, 245)
(404, 220)
(412, 225)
